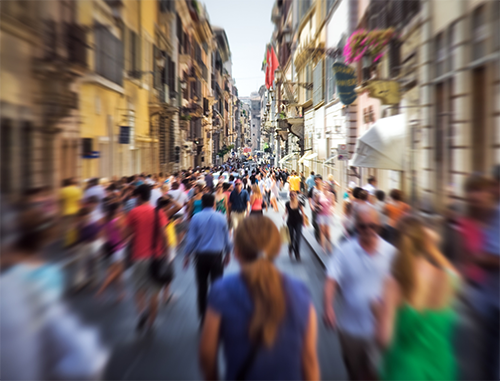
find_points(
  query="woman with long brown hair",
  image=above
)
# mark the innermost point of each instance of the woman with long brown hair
(256, 200)
(416, 318)
(264, 319)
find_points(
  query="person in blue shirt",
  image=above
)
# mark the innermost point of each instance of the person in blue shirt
(207, 240)
(265, 320)
(310, 182)
(239, 204)
(487, 295)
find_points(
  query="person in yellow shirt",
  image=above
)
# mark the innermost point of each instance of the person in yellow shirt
(294, 182)
(70, 197)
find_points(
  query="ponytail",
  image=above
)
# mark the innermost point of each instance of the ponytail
(258, 242)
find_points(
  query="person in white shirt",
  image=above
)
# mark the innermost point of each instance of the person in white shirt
(358, 268)
(371, 188)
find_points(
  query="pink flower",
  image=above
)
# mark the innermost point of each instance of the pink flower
(378, 57)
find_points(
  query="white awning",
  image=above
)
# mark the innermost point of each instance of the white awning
(312, 156)
(382, 146)
(307, 156)
(286, 158)
(330, 159)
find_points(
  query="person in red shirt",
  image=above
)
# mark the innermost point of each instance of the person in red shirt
(141, 227)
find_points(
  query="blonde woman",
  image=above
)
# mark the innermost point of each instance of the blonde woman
(264, 319)
(416, 318)
(256, 200)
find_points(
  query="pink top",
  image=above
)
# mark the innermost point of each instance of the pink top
(473, 243)
(326, 205)
(257, 204)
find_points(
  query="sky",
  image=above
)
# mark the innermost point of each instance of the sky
(248, 28)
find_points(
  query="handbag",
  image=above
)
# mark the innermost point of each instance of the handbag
(161, 269)
(306, 220)
(285, 234)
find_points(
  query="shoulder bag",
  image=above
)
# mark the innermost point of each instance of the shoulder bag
(161, 269)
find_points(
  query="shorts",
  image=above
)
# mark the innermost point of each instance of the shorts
(324, 219)
(236, 218)
(142, 280)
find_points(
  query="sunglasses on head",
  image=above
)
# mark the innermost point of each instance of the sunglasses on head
(364, 227)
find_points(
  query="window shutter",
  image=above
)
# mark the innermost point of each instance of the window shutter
(318, 94)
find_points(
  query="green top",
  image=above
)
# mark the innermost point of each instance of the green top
(221, 206)
(422, 346)
(197, 206)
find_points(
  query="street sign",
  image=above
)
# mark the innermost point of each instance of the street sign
(342, 149)
(343, 157)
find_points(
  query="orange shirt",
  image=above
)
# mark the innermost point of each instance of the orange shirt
(294, 183)
(395, 212)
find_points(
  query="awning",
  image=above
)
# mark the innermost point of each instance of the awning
(301, 160)
(286, 158)
(382, 146)
(330, 159)
(311, 156)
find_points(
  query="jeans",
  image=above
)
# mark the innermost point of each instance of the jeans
(491, 344)
(207, 265)
(295, 235)
(360, 356)
(315, 226)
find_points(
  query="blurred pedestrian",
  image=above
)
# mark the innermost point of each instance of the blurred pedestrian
(395, 209)
(145, 227)
(295, 216)
(415, 319)
(221, 199)
(489, 260)
(256, 200)
(311, 181)
(208, 241)
(239, 204)
(356, 273)
(71, 197)
(113, 231)
(323, 202)
(264, 320)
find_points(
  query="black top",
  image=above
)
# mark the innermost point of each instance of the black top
(294, 215)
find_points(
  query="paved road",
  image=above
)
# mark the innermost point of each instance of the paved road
(171, 351)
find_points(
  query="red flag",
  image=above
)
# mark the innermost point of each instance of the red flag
(268, 65)
(272, 65)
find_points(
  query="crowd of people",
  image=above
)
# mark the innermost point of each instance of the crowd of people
(391, 281)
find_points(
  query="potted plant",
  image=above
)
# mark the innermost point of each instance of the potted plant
(368, 45)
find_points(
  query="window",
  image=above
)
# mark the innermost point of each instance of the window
(440, 54)
(308, 81)
(330, 80)
(26, 154)
(108, 55)
(133, 56)
(6, 155)
(451, 48)
(479, 33)
(304, 7)
(496, 24)
(394, 58)
(167, 5)
(318, 96)
(157, 72)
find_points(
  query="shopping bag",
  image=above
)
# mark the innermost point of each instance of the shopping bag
(285, 234)
(306, 220)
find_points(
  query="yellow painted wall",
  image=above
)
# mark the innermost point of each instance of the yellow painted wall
(149, 10)
(131, 14)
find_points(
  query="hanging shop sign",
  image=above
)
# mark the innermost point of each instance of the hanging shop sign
(386, 91)
(346, 80)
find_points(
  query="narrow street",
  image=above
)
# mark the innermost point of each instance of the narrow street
(171, 352)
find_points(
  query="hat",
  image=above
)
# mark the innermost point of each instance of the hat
(237, 182)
